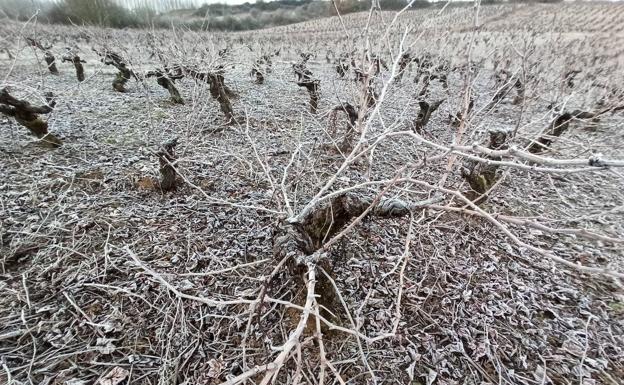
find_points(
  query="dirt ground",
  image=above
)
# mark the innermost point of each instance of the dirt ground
(98, 266)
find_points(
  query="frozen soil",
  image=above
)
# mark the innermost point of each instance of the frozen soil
(474, 306)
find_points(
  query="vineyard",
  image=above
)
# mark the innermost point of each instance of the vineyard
(416, 197)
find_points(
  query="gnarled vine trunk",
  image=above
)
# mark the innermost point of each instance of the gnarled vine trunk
(77, 62)
(124, 74)
(313, 90)
(304, 79)
(218, 90)
(166, 157)
(482, 176)
(122, 77)
(28, 116)
(559, 126)
(47, 55)
(166, 82)
(51, 62)
(305, 238)
(352, 115)
(424, 114)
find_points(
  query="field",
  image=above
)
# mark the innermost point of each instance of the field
(425, 197)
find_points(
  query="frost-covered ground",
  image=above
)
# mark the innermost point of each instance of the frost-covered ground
(97, 265)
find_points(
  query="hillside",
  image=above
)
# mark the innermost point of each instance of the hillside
(182, 13)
